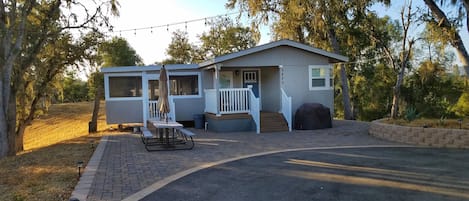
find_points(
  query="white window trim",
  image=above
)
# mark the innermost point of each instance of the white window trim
(327, 77)
(107, 95)
(199, 80)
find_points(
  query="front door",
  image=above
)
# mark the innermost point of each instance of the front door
(251, 77)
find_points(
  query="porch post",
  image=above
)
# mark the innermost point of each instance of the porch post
(217, 87)
(145, 97)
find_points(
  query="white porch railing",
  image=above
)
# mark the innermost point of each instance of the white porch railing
(286, 109)
(153, 112)
(232, 101)
(255, 111)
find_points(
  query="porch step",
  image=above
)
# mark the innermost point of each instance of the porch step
(273, 122)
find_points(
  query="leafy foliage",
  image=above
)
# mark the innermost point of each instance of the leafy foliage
(411, 114)
(462, 106)
(223, 37)
(180, 50)
(118, 52)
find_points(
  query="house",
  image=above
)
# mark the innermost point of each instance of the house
(256, 89)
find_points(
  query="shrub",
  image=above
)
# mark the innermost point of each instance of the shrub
(410, 114)
(462, 106)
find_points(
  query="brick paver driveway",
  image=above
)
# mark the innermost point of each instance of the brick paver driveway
(126, 167)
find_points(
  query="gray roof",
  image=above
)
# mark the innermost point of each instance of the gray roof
(335, 58)
(122, 69)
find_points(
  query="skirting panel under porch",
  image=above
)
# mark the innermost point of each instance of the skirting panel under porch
(230, 122)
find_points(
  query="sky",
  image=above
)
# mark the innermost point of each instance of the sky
(151, 44)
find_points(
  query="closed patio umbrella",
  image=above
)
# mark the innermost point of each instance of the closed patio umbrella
(163, 102)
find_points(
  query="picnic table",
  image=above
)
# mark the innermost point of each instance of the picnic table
(167, 135)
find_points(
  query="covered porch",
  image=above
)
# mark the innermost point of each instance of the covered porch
(249, 91)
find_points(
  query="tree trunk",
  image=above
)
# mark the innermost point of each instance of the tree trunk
(457, 41)
(11, 123)
(397, 94)
(93, 126)
(348, 114)
(3, 134)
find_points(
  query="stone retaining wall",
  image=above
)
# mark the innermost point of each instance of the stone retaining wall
(433, 137)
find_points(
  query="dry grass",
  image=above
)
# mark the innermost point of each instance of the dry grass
(47, 173)
(47, 170)
(62, 122)
(431, 123)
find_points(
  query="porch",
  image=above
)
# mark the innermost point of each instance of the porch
(235, 105)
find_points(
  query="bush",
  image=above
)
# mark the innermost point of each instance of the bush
(462, 106)
(410, 114)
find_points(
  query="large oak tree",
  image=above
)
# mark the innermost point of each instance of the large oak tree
(27, 29)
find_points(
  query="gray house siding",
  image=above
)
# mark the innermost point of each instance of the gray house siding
(294, 74)
(282, 55)
(187, 107)
(270, 87)
(299, 90)
(125, 111)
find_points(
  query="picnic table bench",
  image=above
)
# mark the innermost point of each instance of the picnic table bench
(161, 140)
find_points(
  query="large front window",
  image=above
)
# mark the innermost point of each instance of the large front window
(184, 84)
(130, 86)
(320, 77)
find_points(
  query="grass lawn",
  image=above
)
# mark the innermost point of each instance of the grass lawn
(47, 169)
(430, 123)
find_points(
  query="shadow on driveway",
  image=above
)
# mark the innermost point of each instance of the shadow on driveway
(331, 174)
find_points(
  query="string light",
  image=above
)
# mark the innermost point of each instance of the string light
(205, 19)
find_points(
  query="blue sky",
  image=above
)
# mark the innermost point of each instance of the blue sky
(151, 44)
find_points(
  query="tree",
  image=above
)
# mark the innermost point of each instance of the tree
(226, 37)
(118, 52)
(73, 89)
(180, 50)
(449, 28)
(324, 24)
(115, 52)
(27, 28)
(223, 37)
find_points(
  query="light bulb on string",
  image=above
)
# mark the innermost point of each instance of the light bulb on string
(135, 31)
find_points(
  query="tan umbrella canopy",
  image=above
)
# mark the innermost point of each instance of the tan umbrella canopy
(163, 102)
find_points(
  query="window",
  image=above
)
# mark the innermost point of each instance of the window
(184, 84)
(130, 86)
(226, 79)
(153, 89)
(320, 77)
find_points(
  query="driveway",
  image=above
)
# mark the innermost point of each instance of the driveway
(330, 174)
(126, 170)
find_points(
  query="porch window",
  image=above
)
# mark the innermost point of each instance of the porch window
(153, 89)
(184, 84)
(320, 77)
(130, 86)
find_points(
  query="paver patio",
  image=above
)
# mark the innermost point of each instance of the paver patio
(126, 167)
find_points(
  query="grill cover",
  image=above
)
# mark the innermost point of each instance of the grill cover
(310, 116)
